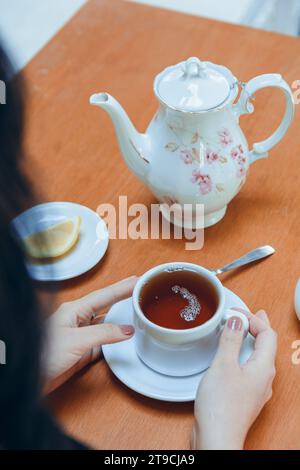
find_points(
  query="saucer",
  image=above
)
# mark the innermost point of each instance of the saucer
(129, 369)
(88, 251)
(297, 299)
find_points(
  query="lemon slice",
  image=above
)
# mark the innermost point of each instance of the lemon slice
(55, 241)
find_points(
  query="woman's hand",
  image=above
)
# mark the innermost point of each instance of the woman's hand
(74, 337)
(230, 396)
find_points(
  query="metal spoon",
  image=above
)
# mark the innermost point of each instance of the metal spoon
(254, 255)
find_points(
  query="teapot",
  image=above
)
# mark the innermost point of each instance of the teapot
(194, 151)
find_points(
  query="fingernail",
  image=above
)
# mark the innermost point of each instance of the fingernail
(235, 324)
(127, 330)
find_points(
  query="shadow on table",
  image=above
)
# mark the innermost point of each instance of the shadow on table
(159, 405)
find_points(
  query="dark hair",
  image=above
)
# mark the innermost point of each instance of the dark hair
(24, 421)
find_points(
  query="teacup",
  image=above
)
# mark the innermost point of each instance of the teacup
(180, 352)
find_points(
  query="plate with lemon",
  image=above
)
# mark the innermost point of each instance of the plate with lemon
(62, 240)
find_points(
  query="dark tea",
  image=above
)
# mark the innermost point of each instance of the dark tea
(178, 299)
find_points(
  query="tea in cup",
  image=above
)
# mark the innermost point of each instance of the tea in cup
(179, 312)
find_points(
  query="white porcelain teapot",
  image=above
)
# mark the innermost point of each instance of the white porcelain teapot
(194, 150)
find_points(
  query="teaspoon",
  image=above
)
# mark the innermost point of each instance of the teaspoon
(254, 255)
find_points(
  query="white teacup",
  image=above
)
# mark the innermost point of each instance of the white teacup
(180, 352)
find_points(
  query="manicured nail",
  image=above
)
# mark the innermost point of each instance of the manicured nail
(235, 324)
(127, 330)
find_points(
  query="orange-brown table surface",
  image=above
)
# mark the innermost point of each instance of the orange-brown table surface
(119, 47)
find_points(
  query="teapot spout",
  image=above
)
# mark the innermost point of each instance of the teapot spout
(133, 145)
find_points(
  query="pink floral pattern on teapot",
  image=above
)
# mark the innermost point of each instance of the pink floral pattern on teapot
(189, 155)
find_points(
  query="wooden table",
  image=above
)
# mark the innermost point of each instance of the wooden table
(73, 154)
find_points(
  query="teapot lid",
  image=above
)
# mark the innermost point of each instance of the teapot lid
(194, 86)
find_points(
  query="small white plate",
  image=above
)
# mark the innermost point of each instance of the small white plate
(126, 365)
(297, 299)
(88, 251)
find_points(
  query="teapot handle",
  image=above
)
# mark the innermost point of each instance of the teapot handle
(244, 106)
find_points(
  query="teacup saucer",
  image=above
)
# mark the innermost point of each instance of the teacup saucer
(126, 365)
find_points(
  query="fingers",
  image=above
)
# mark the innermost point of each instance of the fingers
(80, 312)
(263, 315)
(265, 346)
(89, 337)
(257, 323)
(230, 341)
(104, 298)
